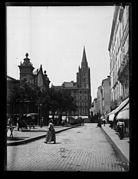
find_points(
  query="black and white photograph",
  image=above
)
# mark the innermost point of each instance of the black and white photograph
(68, 87)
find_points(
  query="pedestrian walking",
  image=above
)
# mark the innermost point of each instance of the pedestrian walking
(50, 136)
(18, 123)
(11, 130)
(120, 128)
(11, 127)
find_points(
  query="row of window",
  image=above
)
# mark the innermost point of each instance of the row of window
(117, 92)
(82, 103)
(82, 97)
(83, 92)
(115, 54)
(118, 34)
(83, 111)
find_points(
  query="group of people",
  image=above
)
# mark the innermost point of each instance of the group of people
(100, 122)
(50, 136)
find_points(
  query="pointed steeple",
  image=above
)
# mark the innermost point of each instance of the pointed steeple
(41, 67)
(84, 59)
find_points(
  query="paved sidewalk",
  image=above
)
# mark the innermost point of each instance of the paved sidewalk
(29, 135)
(121, 145)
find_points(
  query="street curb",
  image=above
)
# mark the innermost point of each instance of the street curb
(37, 137)
(117, 149)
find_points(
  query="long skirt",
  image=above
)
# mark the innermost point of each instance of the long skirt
(50, 136)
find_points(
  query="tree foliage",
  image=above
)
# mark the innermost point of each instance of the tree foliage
(24, 91)
(61, 101)
(56, 101)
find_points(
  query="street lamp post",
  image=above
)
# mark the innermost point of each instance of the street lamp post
(39, 113)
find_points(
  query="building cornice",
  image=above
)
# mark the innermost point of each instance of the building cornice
(113, 26)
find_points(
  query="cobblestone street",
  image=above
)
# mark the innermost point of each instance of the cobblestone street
(84, 148)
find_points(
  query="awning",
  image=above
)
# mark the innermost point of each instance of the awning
(111, 117)
(31, 114)
(124, 113)
(120, 107)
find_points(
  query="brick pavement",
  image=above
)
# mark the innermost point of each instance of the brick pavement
(84, 148)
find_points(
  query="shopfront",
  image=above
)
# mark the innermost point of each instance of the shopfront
(119, 111)
(124, 115)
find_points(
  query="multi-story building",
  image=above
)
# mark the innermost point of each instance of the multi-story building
(37, 78)
(99, 99)
(119, 65)
(81, 90)
(119, 54)
(95, 107)
(106, 96)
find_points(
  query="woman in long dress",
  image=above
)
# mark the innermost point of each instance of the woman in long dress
(50, 133)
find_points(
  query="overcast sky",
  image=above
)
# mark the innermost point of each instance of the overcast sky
(55, 37)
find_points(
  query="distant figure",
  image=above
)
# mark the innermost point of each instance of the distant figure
(82, 121)
(33, 121)
(120, 128)
(104, 122)
(50, 133)
(18, 123)
(8, 121)
(99, 123)
(11, 127)
(11, 130)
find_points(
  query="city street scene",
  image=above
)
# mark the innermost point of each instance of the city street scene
(68, 88)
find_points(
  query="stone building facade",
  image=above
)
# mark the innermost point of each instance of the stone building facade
(38, 77)
(99, 99)
(106, 97)
(119, 54)
(95, 107)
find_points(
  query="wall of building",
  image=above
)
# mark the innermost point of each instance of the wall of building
(118, 48)
(106, 95)
(99, 99)
(95, 108)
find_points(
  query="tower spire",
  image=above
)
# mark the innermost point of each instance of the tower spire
(84, 59)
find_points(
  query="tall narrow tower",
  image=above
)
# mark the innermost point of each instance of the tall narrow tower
(83, 76)
(26, 70)
(84, 63)
(84, 85)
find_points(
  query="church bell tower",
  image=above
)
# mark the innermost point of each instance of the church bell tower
(26, 70)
